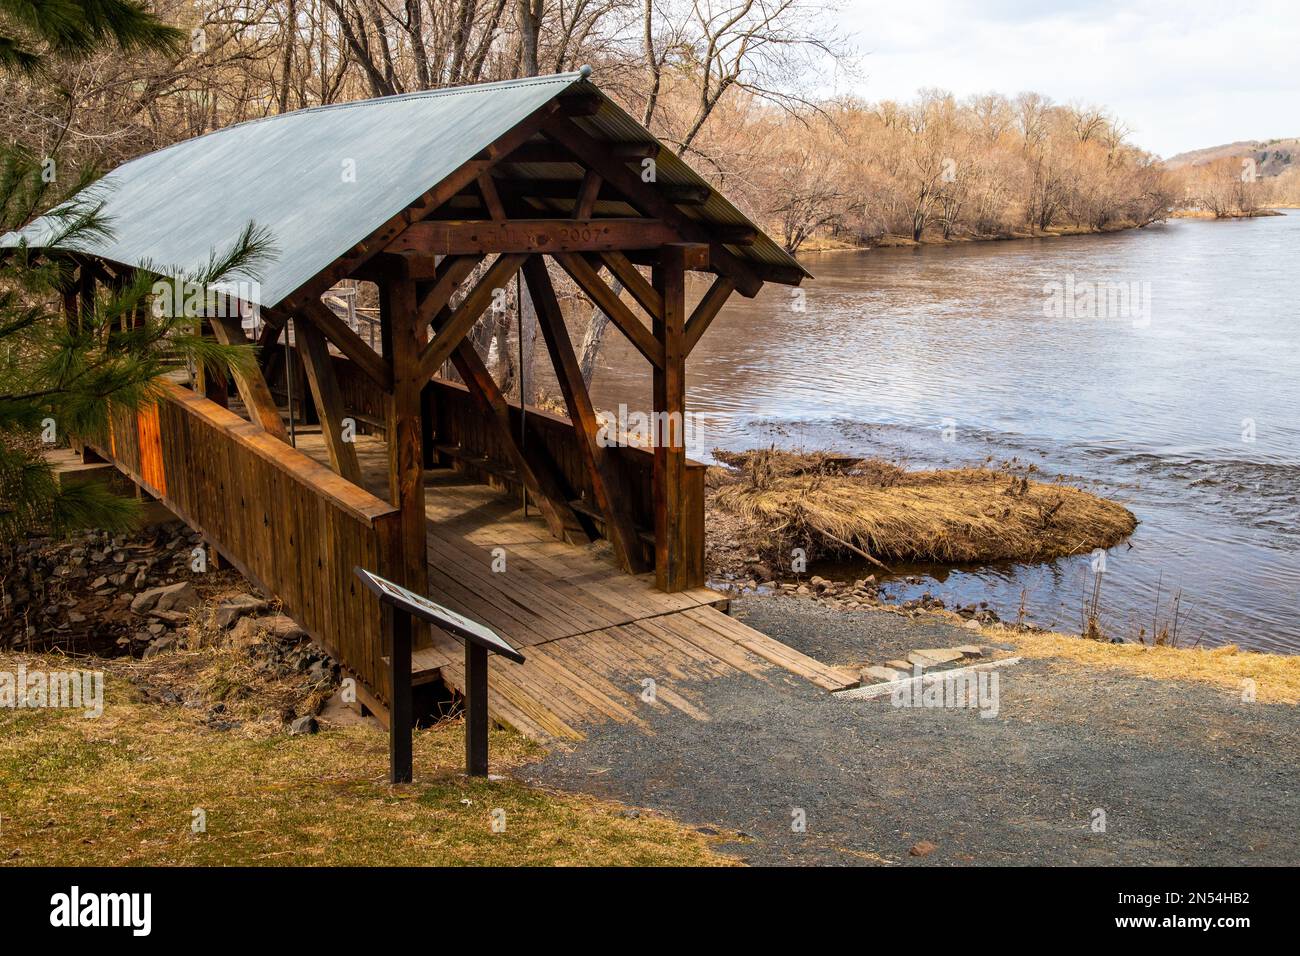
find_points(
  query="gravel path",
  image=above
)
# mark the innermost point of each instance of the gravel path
(1185, 774)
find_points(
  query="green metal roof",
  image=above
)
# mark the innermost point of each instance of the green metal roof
(323, 179)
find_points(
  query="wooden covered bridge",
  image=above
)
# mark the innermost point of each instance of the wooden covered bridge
(442, 199)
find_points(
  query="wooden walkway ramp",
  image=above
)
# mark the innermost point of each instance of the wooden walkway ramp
(593, 636)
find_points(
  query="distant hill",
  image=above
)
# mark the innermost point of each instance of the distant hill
(1272, 156)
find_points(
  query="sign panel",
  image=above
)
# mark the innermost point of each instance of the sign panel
(434, 613)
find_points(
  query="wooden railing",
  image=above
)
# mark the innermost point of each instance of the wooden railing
(287, 522)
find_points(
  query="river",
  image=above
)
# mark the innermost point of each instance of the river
(1182, 402)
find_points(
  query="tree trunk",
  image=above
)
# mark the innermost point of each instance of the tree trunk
(594, 338)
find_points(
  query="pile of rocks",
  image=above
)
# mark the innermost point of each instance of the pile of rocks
(927, 659)
(866, 592)
(99, 593)
(279, 648)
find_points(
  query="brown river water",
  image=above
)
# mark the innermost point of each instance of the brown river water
(1174, 389)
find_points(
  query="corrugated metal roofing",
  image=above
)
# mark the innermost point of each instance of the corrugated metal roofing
(169, 211)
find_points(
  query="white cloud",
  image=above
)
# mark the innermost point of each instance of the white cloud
(1180, 74)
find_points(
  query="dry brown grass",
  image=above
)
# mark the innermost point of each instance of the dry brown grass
(959, 515)
(1276, 677)
(122, 789)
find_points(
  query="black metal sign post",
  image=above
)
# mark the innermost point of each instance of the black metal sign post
(476, 719)
(400, 710)
(479, 640)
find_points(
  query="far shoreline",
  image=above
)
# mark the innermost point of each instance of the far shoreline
(826, 244)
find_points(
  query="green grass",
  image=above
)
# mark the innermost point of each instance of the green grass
(121, 789)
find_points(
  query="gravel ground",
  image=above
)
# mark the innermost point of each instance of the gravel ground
(1185, 774)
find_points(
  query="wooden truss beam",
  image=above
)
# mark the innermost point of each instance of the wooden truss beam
(588, 192)
(538, 477)
(606, 489)
(603, 296)
(319, 367)
(451, 272)
(461, 237)
(462, 319)
(539, 151)
(628, 274)
(348, 342)
(653, 203)
(708, 307)
(248, 379)
(684, 195)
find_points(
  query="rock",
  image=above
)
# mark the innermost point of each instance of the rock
(973, 625)
(233, 608)
(899, 665)
(171, 597)
(303, 725)
(969, 650)
(922, 848)
(934, 656)
(164, 643)
(881, 675)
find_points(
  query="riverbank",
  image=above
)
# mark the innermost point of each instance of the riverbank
(1207, 214)
(815, 244)
(889, 241)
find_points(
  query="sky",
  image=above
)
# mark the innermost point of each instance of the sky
(1181, 75)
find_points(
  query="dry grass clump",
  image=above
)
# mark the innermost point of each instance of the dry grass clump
(842, 506)
(1275, 678)
(246, 675)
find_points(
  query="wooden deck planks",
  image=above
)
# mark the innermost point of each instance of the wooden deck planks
(591, 633)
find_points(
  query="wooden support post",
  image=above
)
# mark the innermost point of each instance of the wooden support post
(476, 709)
(216, 388)
(671, 559)
(249, 381)
(400, 711)
(610, 497)
(403, 340)
(86, 292)
(587, 195)
(319, 368)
